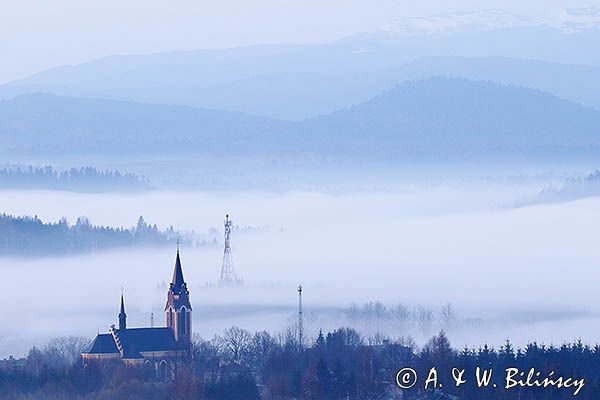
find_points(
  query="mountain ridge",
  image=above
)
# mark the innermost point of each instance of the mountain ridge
(437, 115)
(303, 95)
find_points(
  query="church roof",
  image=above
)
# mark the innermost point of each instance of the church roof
(134, 342)
(139, 340)
(103, 344)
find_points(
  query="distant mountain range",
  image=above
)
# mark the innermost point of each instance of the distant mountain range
(326, 99)
(300, 95)
(429, 117)
(298, 82)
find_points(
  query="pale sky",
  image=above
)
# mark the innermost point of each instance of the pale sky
(36, 35)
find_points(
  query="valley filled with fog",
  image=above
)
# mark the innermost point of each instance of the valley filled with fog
(419, 174)
(527, 273)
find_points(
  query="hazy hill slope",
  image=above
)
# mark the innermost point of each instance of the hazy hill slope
(40, 121)
(297, 94)
(444, 114)
(578, 83)
(431, 116)
(278, 81)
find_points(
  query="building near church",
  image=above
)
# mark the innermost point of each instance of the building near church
(161, 347)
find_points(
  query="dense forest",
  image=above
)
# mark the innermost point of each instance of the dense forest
(85, 179)
(342, 364)
(32, 236)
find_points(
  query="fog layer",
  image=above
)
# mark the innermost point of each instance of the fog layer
(532, 267)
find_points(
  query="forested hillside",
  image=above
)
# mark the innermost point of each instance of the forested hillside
(86, 179)
(25, 236)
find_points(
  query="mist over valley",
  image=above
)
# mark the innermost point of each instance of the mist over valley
(416, 247)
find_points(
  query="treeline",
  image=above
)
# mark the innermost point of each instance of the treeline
(575, 188)
(85, 179)
(572, 189)
(31, 236)
(374, 316)
(240, 365)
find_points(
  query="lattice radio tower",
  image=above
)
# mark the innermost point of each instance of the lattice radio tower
(228, 276)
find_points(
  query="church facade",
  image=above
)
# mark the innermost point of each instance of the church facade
(162, 347)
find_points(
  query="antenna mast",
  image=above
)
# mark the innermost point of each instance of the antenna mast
(300, 321)
(228, 276)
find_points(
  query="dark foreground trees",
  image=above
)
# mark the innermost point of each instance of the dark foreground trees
(336, 365)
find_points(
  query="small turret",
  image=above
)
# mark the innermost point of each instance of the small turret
(122, 315)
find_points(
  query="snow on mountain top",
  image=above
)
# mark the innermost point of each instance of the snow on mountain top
(571, 20)
(443, 23)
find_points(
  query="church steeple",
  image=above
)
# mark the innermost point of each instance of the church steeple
(177, 281)
(122, 315)
(178, 309)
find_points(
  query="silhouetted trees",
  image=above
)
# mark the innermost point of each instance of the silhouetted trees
(334, 366)
(374, 317)
(85, 179)
(31, 236)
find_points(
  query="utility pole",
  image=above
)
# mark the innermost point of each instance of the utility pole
(300, 321)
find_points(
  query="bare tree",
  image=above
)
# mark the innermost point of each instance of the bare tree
(400, 312)
(447, 317)
(352, 312)
(424, 318)
(64, 351)
(237, 342)
(262, 345)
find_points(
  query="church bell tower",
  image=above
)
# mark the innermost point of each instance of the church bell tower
(179, 309)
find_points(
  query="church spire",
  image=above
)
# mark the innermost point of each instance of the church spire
(122, 315)
(177, 281)
(178, 309)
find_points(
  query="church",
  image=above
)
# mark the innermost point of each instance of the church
(163, 347)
